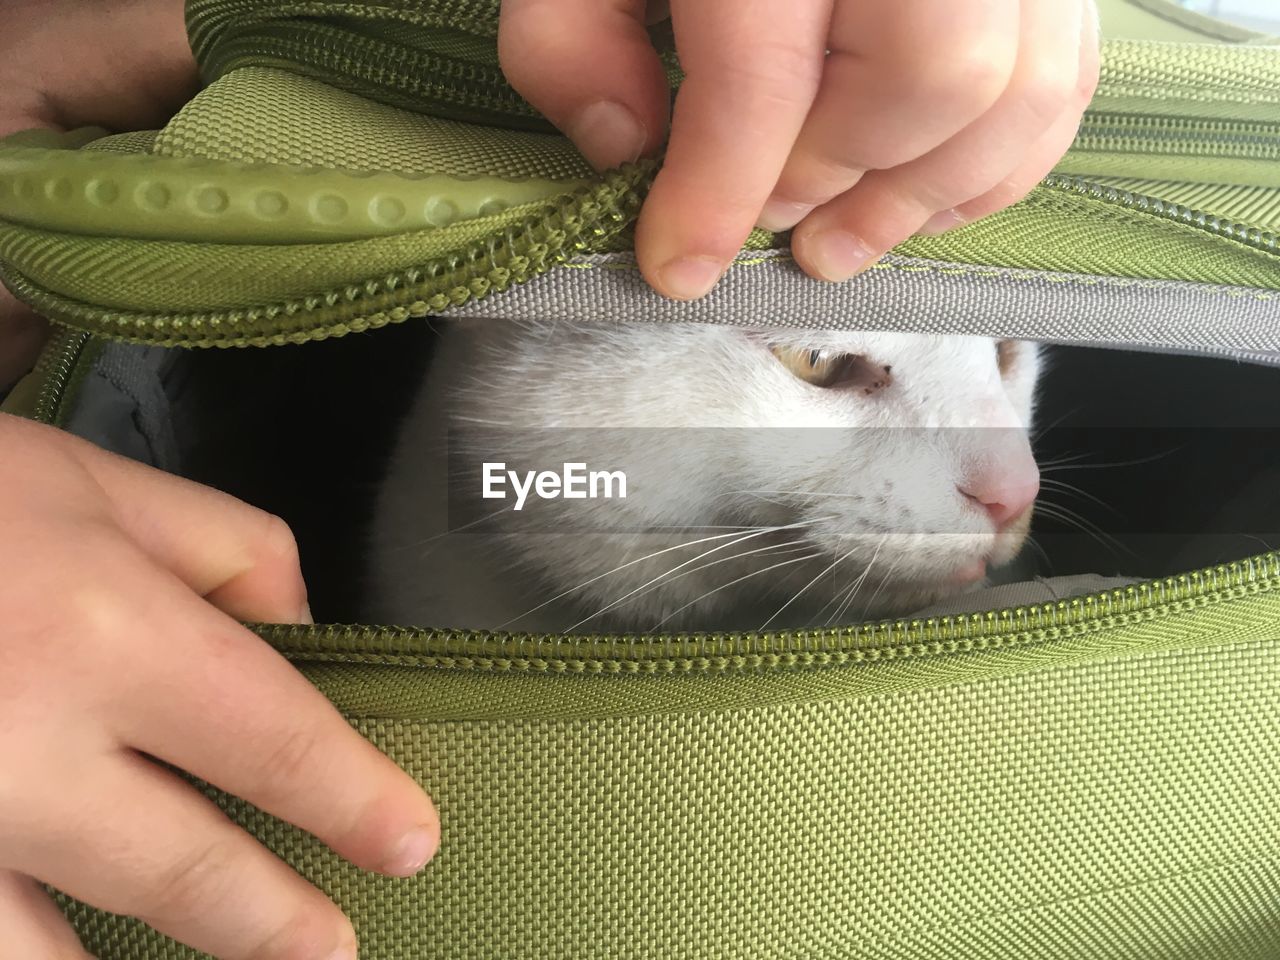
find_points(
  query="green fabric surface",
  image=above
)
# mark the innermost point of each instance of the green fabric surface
(274, 116)
(1118, 806)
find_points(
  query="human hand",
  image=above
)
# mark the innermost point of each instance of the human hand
(123, 65)
(120, 588)
(921, 117)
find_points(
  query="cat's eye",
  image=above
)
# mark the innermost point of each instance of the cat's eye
(1006, 355)
(832, 369)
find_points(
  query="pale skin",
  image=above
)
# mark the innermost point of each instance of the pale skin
(121, 588)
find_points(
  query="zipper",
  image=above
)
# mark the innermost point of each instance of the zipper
(426, 81)
(1220, 139)
(58, 366)
(619, 655)
(587, 222)
(1242, 233)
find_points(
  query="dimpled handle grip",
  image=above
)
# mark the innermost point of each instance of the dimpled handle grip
(47, 182)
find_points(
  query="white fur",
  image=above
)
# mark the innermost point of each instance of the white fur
(880, 501)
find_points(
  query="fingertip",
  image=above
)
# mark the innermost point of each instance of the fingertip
(832, 254)
(687, 277)
(779, 215)
(608, 134)
(941, 222)
(590, 69)
(413, 850)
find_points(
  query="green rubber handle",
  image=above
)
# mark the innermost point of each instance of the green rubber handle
(47, 182)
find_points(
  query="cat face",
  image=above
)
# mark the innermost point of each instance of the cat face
(776, 477)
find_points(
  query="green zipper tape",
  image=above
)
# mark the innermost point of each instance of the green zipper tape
(896, 640)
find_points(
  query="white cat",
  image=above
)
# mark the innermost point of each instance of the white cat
(774, 478)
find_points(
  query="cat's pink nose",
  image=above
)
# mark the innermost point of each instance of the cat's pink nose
(1004, 495)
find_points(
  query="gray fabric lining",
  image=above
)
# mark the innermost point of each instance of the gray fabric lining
(122, 406)
(766, 288)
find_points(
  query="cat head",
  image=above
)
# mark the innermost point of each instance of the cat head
(788, 477)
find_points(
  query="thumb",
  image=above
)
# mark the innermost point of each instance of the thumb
(589, 68)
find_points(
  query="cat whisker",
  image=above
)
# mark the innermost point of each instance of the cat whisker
(434, 537)
(866, 609)
(731, 583)
(1059, 466)
(812, 494)
(1077, 491)
(1071, 518)
(836, 597)
(777, 549)
(822, 573)
(851, 594)
(1035, 438)
(482, 421)
(758, 532)
(1044, 554)
(1069, 458)
(1266, 545)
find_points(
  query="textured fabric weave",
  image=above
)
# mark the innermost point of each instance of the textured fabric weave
(293, 119)
(910, 294)
(955, 806)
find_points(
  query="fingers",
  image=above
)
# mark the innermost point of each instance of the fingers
(33, 927)
(588, 67)
(140, 842)
(242, 559)
(888, 206)
(899, 79)
(751, 73)
(1051, 147)
(232, 711)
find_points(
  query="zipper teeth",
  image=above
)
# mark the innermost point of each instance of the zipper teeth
(897, 639)
(1225, 139)
(56, 366)
(1250, 236)
(440, 80)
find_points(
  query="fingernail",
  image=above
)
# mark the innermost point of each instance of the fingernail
(607, 134)
(412, 853)
(941, 222)
(304, 615)
(837, 255)
(779, 215)
(688, 278)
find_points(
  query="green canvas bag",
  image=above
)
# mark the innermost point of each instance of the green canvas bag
(1092, 778)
